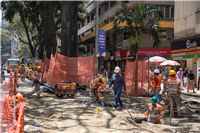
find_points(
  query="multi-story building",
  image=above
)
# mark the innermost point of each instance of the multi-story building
(115, 54)
(186, 44)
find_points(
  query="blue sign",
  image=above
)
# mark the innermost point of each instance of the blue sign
(101, 43)
(25, 56)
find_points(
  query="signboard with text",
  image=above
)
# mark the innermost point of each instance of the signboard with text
(101, 43)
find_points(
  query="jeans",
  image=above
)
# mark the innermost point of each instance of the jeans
(156, 94)
(117, 98)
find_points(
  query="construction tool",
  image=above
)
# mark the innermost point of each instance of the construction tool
(102, 92)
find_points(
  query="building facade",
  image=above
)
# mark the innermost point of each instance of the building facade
(186, 44)
(115, 54)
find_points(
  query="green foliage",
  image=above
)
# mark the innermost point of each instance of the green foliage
(138, 24)
(24, 49)
(5, 37)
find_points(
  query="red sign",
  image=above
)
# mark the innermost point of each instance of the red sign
(159, 51)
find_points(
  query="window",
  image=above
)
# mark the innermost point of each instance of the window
(93, 16)
(163, 33)
(82, 24)
(162, 9)
(172, 12)
(99, 11)
(126, 1)
(156, 14)
(167, 8)
(125, 36)
(88, 19)
(106, 6)
(112, 3)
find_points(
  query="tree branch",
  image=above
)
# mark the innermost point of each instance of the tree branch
(23, 41)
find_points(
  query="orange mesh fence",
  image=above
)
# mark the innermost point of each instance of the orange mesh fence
(76, 69)
(7, 122)
(45, 68)
(141, 80)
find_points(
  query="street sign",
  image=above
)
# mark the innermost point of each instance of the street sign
(101, 43)
(25, 56)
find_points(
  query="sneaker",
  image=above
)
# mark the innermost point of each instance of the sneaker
(113, 109)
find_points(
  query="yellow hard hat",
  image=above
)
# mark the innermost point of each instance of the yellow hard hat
(21, 64)
(172, 72)
(103, 80)
(39, 68)
(30, 67)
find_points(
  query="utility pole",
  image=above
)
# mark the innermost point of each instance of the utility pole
(96, 35)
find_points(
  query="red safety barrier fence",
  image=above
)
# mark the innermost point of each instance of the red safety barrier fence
(141, 80)
(10, 108)
(76, 69)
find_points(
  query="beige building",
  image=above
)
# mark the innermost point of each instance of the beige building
(186, 44)
(115, 54)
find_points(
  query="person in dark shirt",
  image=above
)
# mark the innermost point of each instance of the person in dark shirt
(191, 82)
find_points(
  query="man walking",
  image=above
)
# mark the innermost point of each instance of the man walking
(156, 84)
(117, 80)
(173, 92)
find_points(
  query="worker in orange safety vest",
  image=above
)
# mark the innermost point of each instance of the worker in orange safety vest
(36, 78)
(154, 111)
(22, 71)
(173, 92)
(94, 85)
(156, 84)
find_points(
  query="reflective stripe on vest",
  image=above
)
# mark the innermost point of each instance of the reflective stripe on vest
(157, 109)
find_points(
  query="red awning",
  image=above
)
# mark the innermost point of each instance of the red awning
(159, 51)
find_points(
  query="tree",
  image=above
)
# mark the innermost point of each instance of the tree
(69, 15)
(138, 24)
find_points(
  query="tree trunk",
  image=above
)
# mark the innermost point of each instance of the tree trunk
(40, 51)
(136, 68)
(69, 14)
(49, 28)
(28, 37)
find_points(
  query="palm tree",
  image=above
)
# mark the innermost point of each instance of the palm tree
(138, 24)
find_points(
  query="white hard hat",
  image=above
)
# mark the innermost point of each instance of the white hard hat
(156, 71)
(117, 69)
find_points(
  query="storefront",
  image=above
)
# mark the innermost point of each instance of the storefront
(185, 51)
(120, 56)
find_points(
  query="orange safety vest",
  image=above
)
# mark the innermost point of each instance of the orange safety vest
(94, 83)
(158, 87)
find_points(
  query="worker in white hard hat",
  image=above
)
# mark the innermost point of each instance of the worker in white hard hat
(156, 84)
(117, 80)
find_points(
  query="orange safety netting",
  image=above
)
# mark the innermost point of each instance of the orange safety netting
(45, 68)
(141, 80)
(7, 122)
(76, 69)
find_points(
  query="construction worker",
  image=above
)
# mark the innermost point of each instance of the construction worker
(22, 71)
(36, 77)
(34, 67)
(165, 82)
(30, 73)
(94, 85)
(173, 92)
(154, 111)
(156, 84)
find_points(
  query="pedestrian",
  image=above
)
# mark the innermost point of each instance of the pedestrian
(156, 84)
(22, 71)
(179, 76)
(154, 111)
(185, 78)
(198, 78)
(117, 80)
(165, 82)
(191, 81)
(36, 77)
(29, 73)
(173, 92)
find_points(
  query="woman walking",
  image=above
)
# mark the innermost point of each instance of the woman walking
(185, 78)
(191, 82)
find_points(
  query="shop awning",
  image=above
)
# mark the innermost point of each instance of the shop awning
(162, 24)
(185, 57)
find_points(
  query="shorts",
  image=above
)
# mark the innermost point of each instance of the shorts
(165, 88)
(185, 79)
